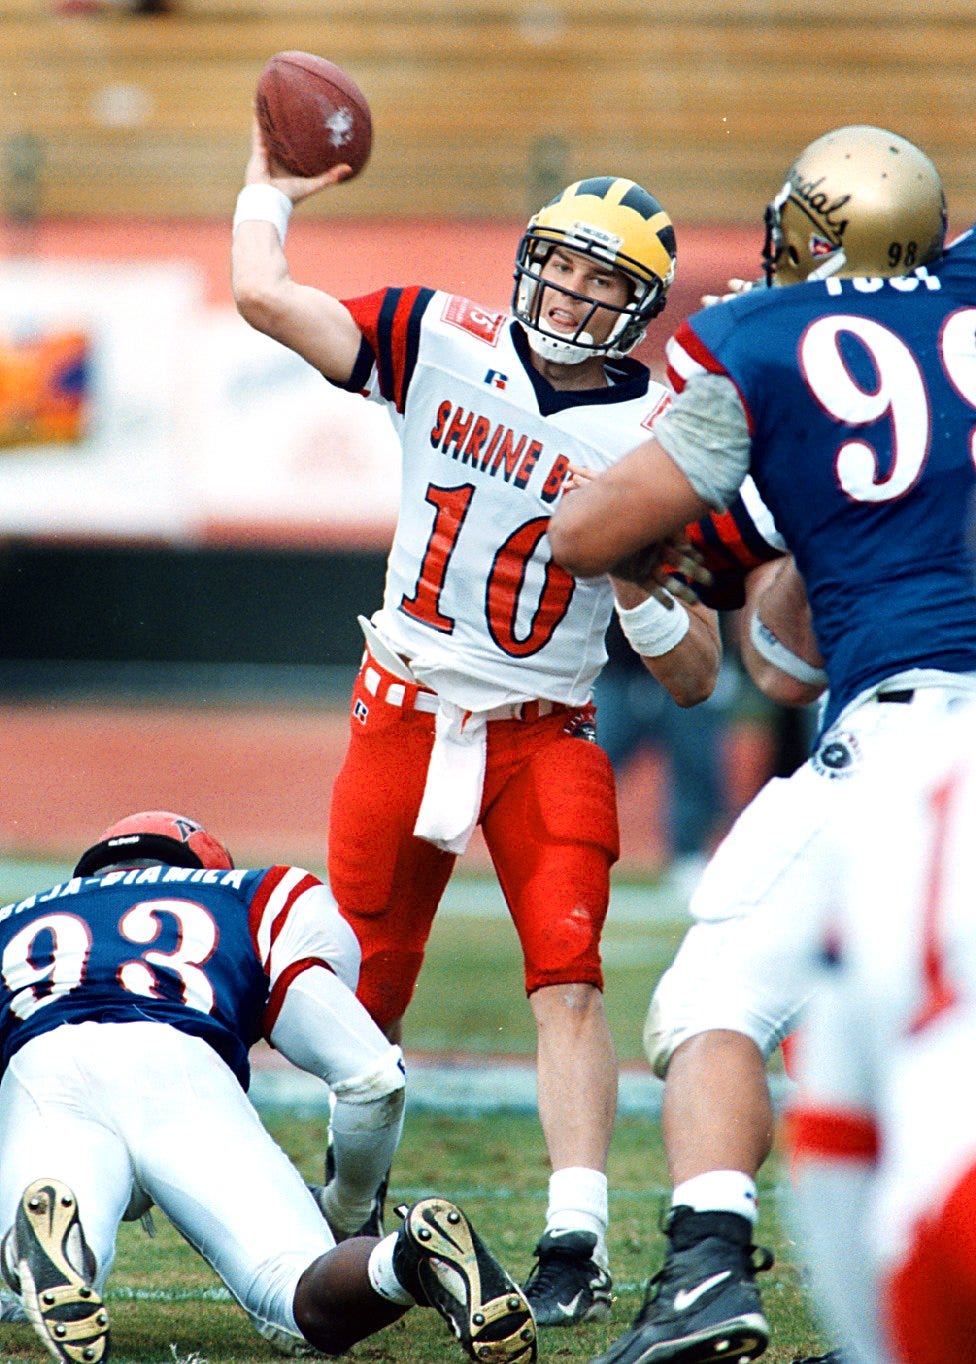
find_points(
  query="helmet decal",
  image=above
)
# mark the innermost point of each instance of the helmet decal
(185, 827)
(859, 200)
(155, 836)
(599, 186)
(825, 211)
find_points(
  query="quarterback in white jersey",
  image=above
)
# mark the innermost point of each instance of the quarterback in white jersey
(471, 599)
(473, 703)
(883, 1130)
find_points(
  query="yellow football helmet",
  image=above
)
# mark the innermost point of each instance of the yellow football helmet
(858, 201)
(617, 223)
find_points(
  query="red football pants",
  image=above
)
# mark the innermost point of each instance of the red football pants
(549, 818)
(931, 1299)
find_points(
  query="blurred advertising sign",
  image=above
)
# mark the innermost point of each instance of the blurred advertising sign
(130, 409)
(120, 477)
(44, 388)
(284, 457)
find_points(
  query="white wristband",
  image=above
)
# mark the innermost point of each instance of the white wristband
(774, 651)
(652, 628)
(263, 204)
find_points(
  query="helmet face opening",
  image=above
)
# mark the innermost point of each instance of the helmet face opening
(617, 224)
(152, 837)
(858, 201)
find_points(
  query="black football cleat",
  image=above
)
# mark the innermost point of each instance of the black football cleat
(567, 1285)
(703, 1306)
(441, 1260)
(53, 1269)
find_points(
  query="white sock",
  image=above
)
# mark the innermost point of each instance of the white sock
(578, 1202)
(382, 1276)
(719, 1191)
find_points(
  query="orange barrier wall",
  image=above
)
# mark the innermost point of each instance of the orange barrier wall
(348, 258)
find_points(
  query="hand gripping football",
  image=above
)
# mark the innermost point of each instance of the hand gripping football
(313, 116)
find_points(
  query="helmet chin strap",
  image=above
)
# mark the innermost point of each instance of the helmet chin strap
(561, 352)
(834, 262)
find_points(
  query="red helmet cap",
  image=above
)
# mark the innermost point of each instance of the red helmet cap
(155, 836)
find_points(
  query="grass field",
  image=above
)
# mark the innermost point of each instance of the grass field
(470, 996)
(168, 1307)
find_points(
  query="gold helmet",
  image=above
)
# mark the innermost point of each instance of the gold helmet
(617, 223)
(858, 201)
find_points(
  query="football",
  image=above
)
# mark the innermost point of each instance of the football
(312, 114)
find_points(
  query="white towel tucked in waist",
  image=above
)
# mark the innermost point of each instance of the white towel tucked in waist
(455, 778)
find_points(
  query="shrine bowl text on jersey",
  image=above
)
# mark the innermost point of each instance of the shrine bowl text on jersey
(487, 445)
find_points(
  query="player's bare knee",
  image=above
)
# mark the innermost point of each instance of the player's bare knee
(572, 1004)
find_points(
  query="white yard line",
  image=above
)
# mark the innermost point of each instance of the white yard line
(464, 1085)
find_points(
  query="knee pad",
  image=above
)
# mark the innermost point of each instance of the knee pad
(720, 981)
(659, 1041)
(388, 1079)
(670, 1021)
(585, 810)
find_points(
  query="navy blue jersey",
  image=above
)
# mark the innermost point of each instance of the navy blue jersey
(860, 395)
(195, 949)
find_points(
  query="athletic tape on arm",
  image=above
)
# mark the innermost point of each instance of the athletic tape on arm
(774, 651)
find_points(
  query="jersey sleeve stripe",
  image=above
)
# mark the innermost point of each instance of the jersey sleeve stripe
(384, 332)
(719, 540)
(364, 311)
(730, 544)
(389, 321)
(742, 537)
(362, 369)
(687, 356)
(832, 1134)
(398, 339)
(278, 891)
(280, 989)
(258, 905)
(406, 336)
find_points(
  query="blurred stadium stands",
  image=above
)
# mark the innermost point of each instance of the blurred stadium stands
(482, 107)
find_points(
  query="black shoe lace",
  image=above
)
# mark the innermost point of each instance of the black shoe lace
(547, 1276)
(650, 1297)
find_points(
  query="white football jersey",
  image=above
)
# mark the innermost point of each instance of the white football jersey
(472, 596)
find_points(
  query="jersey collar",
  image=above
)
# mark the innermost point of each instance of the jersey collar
(628, 379)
